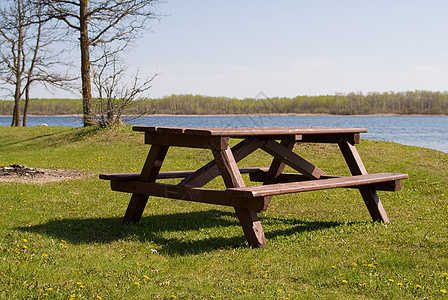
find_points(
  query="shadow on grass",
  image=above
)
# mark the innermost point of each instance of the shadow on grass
(155, 229)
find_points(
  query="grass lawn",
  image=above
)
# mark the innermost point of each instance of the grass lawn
(65, 240)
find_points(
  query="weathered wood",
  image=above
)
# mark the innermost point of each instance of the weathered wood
(248, 218)
(190, 194)
(149, 173)
(368, 193)
(352, 157)
(260, 176)
(211, 170)
(171, 174)
(245, 132)
(277, 165)
(314, 185)
(203, 142)
(331, 138)
(293, 160)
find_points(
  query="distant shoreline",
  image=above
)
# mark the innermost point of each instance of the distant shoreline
(288, 114)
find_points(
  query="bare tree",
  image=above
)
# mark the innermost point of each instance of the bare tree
(25, 54)
(113, 94)
(99, 22)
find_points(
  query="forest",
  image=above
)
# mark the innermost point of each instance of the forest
(405, 103)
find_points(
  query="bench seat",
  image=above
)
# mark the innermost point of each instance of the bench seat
(170, 174)
(321, 184)
(255, 197)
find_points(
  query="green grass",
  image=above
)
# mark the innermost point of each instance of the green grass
(65, 240)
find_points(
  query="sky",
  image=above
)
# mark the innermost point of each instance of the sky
(287, 48)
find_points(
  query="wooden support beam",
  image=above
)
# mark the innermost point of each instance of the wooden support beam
(191, 194)
(211, 170)
(248, 218)
(293, 160)
(277, 165)
(149, 173)
(368, 193)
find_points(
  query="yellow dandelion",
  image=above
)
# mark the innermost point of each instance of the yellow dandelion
(418, 286)
(445, 274)
(279, 290)
(443, 291)
(344, 281)
(136, 283)
(390, 280)
(49, 289)
(353, 264)
(44, 254)
(399, 284)
(333, 267)
(371, 265)
(25, 240)
(146, 277)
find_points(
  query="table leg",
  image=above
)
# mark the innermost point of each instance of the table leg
(149, 173)
(248, 218)
(370, 196)
(277, 166)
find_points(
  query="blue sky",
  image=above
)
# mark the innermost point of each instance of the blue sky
(295, 47)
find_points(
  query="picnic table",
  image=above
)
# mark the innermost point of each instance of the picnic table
(249, 200)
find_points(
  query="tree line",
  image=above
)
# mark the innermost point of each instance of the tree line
(405, 103)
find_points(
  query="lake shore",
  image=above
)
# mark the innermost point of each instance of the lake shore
(217, 115)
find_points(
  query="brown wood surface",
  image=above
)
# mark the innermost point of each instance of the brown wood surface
(261, 175)
(190, 141)
(248, 218)
(170, 174)
(313, 185)
(277, 166)
(149, 173)
(293, 160)
(244, 132)
(190, 194)
(369, 195)
(211, 170)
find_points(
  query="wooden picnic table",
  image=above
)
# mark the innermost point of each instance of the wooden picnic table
(249, 200)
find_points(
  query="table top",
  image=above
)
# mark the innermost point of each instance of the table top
(241, 132)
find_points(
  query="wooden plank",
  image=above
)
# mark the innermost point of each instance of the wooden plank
(277, 165)
(188, 194)
(313, 185)
(211, 170)
(245, 132)
(170, 174)
(352, 157)
(180, 140)
(331, 138)
(293, 160)
(149, 173)
(260, 176)
(368, 193)
(253, 231)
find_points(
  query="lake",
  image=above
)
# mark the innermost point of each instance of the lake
(423, 131)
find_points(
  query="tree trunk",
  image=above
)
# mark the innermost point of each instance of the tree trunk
(18, 68)
(16, 109)
(85, 66)
(25, 107)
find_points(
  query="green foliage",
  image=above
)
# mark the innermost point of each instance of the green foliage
(66, 240)
(417, 102)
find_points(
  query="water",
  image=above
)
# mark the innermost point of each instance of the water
(423, 131)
